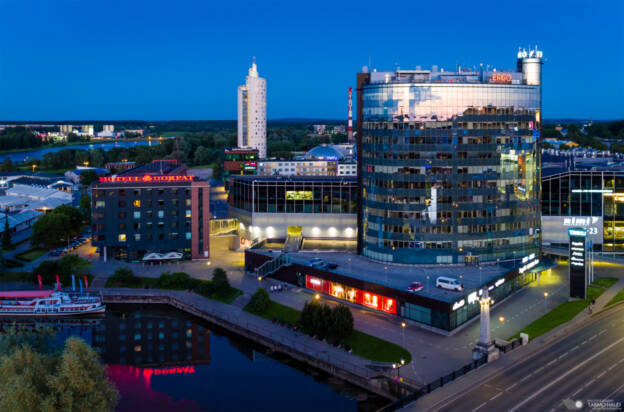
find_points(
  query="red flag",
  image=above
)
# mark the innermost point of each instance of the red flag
(40, 282)
(58, 283)
(86, 282)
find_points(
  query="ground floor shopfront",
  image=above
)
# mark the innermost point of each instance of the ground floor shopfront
(444, 315)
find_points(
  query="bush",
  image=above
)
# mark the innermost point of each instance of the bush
(123, 276)
(177, 280)
(220, 281)
(205, 288)
(259, 301)
(320, 320)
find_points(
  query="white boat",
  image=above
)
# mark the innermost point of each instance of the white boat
(49, 303)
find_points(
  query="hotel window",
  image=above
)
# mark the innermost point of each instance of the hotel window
(137, 226)
(174, 213)
(188, 213)
(188, 235)
(100, 204)
(149, 225)
(137, 215)
(122, 203)
(161, 214)
(161, 335)
(174, 202)
(137, 203)
(160, 191)
(122, 192)
(188, 202)
(137, 192)
(121, 237)
(137, 348)
(137, 336)
(161, 202)
(122, 226)
(137, 237)
(174, 191)
(149, 214)
(122, 215)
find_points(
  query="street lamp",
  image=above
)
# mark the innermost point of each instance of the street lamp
(386, 271)
(545, 301)
(317, 296)
(501, 319)
(34, 166)
(403, 325)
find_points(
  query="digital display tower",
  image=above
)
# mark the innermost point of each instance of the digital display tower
(578, 266)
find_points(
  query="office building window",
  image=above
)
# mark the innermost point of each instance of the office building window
(121, 237)
(161, 214)
(137, 203)
(137, 215)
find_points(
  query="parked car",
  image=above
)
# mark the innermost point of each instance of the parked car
(449, 284)
(415, 287)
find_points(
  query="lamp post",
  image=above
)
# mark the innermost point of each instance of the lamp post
(545, 302)
(398, 366)
(403, 325)
(34, 166)
(386, 272)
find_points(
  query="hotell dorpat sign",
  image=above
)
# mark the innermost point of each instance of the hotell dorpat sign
(504, 78)
(145, 179)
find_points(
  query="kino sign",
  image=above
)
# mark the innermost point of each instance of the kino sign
(577, 259)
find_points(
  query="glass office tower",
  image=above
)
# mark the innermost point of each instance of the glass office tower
(449, 164)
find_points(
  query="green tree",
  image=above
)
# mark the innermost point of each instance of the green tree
(49, 229)
(220, 281)
(85, 208)
(217, 170)
(7, 165)
(341, 323)
(123, 275)
(35, 378)
(88, 176)
(260, 301)
(6, 234)
(201, 156)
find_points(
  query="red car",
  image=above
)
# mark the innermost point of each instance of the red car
(415, 287)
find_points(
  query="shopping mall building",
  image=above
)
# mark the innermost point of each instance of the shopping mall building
(448, 185)
(593, 200)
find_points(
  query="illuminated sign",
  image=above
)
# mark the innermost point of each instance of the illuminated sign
(528, 266)
(499, 282)
(145, 179)
(577, 266)
(472, 297)
(298, 195)
(459, 304)
(176, 370)
(503, 78)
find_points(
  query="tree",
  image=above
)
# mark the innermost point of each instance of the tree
(341, 323)
(85, 208)
(260, 301)
(88, 176)
(217, 170)
(220, 281)
(49, 229)
(34, 376)
(6, 234)
(123, 275)
(66, 266)
(7, 165)
(202, 156)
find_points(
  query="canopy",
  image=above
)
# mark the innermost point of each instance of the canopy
(13, 294)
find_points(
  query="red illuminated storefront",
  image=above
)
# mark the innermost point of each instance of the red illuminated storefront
(362, 297)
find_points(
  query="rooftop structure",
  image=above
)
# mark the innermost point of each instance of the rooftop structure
(252, 112)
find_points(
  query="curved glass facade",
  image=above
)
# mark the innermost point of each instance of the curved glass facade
(449, 171)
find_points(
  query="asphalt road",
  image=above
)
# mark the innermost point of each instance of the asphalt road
(585, 365)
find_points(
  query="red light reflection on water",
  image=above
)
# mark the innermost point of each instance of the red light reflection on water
(135, 388)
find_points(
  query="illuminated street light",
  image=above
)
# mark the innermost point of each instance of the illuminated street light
(501, 319)
(259, 277)
(317, 296)
(403, 324)
(545, 301)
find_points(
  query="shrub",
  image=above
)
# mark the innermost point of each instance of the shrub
(259, 301)
(205, 288)
(123, 276)
(335, 324)
(341, 323)
(220, 281)
(177, 280)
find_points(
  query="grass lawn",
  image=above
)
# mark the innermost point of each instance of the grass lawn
(279, 311)
(363, 345)
(375, 349)
(566, 311)
(17, 277)
(617, 298)
(226, 298)
(605, 282)
(31, 254)
(12, 264)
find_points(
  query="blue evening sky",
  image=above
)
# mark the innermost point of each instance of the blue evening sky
(161, 60)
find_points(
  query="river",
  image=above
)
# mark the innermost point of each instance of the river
(19, 157)
(162, 359)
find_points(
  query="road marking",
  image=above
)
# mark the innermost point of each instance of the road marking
(584, 342)
(480, 406)
(512, 386)
(538, 369)
(575, 393)
(496, 396)
(526, 377)
(612, 366)
(598, 377)
(551, 362)
(574, 348)
(593, 337)
(589, 383)
(580, 365)
(602, 331)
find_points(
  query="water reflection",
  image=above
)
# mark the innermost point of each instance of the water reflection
(162, 359)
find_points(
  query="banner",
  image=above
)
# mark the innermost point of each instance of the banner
(58, 283)
(86, 282)
(40, 282)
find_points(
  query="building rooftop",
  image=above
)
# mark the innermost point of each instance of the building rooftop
(275, 178)
(401, 276)
(156, 168)
(323, 152)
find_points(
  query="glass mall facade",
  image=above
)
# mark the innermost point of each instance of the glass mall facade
(449, 167)
(593, 200)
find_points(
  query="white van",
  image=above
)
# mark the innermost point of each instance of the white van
(449, 284)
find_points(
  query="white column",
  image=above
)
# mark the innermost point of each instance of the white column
(484, 334)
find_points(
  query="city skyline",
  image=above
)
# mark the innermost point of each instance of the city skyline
(143, 61)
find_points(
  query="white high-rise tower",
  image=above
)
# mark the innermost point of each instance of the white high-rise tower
(252, 112)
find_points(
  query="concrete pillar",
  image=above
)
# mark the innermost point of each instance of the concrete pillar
(485, 347)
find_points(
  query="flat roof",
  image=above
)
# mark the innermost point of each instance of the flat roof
(260, 178)
(401, 276)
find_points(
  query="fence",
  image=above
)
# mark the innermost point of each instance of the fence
(505, 346)
(433, 385)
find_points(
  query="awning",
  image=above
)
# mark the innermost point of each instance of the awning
(14, 294)
(545, 264)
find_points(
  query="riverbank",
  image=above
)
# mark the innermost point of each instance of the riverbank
(372, 376)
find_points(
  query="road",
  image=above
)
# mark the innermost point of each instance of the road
(585, 365)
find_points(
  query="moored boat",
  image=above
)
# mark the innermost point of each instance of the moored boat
(49, 303)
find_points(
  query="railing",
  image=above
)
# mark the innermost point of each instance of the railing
(433, 385)
(273, 265)
(505, 346)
